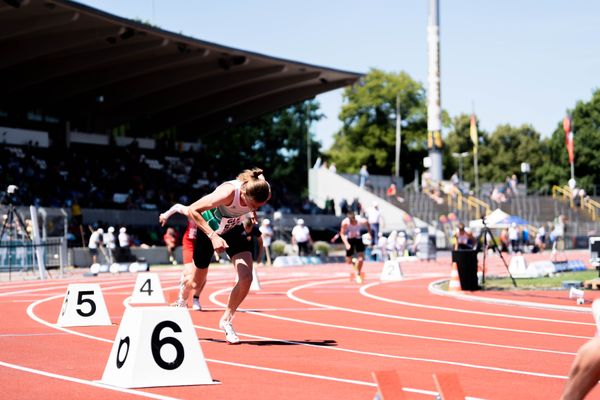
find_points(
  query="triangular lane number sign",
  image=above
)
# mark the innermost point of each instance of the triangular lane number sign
(147, 289)
(156, 346)
(83, 305)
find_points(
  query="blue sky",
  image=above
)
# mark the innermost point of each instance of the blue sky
(515, 61)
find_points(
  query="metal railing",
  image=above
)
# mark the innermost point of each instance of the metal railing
(563, 192)
(22, 256)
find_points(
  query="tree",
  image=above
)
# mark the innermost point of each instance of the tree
(501, 154)
(586, 128)
(368, 134)
(275, 142)
(458, 140)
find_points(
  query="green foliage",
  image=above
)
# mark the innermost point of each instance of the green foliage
(502, 153)
(322, 248)
(586, 128)
(278, 248)
(368, 134)
(275, 142)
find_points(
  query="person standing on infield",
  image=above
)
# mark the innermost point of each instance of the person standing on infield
(350, 232)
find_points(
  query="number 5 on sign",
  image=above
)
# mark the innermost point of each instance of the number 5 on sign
(156, 346)
(83, 306)
(147, 289)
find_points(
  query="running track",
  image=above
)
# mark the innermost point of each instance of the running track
(310, 333)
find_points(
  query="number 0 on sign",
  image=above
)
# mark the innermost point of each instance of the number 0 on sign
(156, 346)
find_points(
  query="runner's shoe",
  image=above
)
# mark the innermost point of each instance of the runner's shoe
(230, 335)
(179, 303)
(196, 304)
(359, 279)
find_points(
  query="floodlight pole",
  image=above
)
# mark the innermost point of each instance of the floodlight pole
(398, 135)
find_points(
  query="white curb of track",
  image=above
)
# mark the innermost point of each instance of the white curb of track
(434, 288)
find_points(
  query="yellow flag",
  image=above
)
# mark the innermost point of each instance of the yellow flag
(473, 132)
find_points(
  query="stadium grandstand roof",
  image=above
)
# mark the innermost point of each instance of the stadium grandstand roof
(70, 62)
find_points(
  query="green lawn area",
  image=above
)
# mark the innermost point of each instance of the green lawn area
(554, 282)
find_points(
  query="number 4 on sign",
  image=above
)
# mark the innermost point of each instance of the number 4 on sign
(83, 306)
(147, 290)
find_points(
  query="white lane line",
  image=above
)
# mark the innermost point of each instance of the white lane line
(29, 334)
(433, 288)
(393, 356)
(363, 291)
(31, 313)
(406, 335)
(292, 296)
(86, 382)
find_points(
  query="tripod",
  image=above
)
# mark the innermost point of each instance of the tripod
(12, 222)
(494, 246)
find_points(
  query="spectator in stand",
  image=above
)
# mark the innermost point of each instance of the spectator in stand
(267, 238)
(513, 182)
(329, 206)
(540, 239)
(504, 241)
(392, 193)
(301, 238)
(376, 221)
(170, 238)
(363, 175)
(513, 237)
(356, 207)
(344, 206)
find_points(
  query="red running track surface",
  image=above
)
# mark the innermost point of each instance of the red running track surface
(309, 333)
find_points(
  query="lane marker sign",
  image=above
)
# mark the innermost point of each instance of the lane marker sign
(83, 306)
(147, 289)
(156, 346)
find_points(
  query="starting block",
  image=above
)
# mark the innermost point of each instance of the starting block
(391, 271)
(147, 289)
(83, 306)
(156, 346)
(388, 385)
(448, 386)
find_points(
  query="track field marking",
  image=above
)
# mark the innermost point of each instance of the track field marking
(408, 335)
(406, 358)
(429, 321)
(32, 315)
(363, 291)
(85, 382)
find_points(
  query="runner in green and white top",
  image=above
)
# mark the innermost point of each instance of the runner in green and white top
(219, 216)
(223, 218)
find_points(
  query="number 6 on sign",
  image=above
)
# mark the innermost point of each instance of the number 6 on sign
(83, 306)
(147, 289)
(156, 346)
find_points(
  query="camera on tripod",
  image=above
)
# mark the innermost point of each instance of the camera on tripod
(12, 190)
(8, 197)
